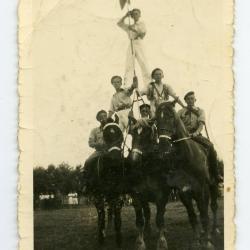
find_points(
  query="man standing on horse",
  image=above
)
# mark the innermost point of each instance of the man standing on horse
(121, 101)
(158, 92)
(194, 121)
(136, 33)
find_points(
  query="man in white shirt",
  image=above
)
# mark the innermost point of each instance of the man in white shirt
(136, 32)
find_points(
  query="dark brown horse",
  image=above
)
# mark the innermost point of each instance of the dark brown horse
(147, 183)
(191, 162)
(104, 178)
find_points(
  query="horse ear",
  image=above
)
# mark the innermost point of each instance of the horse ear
(116, 119)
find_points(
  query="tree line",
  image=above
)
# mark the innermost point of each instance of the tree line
(62, 179)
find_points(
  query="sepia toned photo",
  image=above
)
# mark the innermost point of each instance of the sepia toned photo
(126, 130)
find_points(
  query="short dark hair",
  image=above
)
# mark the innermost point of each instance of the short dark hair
(144, 105)
(113, 77)
(136, 9)
(100, 112)
(153, 72)
(188, 94)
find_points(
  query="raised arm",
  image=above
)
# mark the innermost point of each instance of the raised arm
(121, 23)
(176, 98)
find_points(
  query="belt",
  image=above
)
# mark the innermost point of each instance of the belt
(123, 107)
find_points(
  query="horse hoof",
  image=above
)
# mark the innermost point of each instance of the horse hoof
(140, 245)
(162, 244)
(208, 246)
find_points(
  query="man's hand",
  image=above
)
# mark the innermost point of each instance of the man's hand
(194, 134)
(133, 29)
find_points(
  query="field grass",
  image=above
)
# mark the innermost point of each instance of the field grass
(75, 229)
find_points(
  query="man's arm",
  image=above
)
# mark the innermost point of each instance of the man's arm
(133, 86)
(121, 23)
(176, 98)
(201, 120)
(111, 109)
(92, 139)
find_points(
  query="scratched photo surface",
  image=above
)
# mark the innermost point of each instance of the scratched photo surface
(68, 52)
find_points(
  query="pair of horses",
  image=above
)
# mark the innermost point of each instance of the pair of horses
(146, 177)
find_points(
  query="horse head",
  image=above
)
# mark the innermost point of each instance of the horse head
(113, 138)
(166, 126)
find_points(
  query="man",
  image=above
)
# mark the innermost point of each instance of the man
(136, 33)
(194, 121)
(144, 122)
(96, 137)
(96, 141)
(158, 92)
(121, 101)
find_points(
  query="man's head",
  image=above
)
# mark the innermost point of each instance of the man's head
(102, 116)
(145, 110)
(157, 74)
(116, 81)
(136, 14)
(190, 98)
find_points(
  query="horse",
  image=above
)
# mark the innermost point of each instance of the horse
(147, 183)
(105, 174)
(190, 161)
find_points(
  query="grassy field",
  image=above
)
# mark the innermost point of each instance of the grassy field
(75, 229)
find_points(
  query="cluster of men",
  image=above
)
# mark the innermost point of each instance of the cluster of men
(156, 92)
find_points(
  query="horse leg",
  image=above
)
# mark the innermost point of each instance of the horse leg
(202, 204)
(186, 199)
(117, 214)
(214, 192)
(99, 204)
(162, 242)
(110, 212)
(140, 244)
(147, 216)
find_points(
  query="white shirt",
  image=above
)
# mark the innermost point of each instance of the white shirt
(138, 26)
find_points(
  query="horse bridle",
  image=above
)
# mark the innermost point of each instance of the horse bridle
(113, 147)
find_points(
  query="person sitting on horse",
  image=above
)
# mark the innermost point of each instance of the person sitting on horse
(194, 120)
(121, 101)
(144, 123)
(96, 142)
(158, 92)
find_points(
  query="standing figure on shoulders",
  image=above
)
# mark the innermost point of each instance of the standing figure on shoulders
(121, 101)
(158, 92)
(136, 33)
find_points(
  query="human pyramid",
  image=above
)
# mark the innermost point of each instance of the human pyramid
(156, 92)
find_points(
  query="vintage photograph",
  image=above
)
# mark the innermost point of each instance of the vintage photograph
(126, 125)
